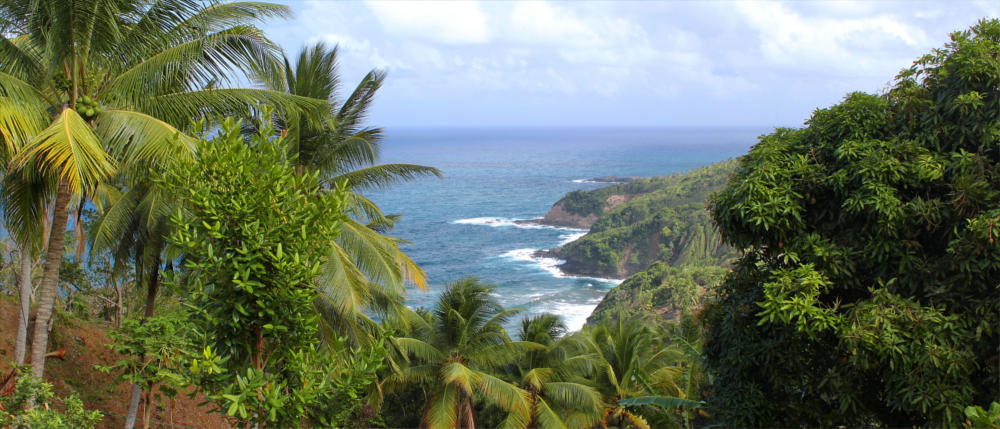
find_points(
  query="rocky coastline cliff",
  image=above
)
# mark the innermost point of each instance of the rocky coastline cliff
(655, 233)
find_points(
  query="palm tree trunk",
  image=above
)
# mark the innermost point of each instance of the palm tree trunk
(24, 309)
(50, 281)
(152, 287)
(470, 421)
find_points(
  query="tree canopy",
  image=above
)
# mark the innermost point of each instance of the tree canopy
(867, 292)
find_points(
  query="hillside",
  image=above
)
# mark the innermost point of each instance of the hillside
(661, 292)
(84, 342)
(641, 222)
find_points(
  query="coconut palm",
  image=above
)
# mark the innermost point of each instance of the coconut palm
(553, 377)
(367, 271)
(629, 362)
(20, 206)
(457, 355)
(101, 88)
(681, 346)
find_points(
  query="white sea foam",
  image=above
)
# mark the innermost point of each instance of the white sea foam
(569, 238)
(607, 182)
(549, 264)
(574, 315)
(499, 222)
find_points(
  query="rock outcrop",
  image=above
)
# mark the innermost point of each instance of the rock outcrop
(560, 216)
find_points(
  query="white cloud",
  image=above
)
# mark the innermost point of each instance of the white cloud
(869, 45)
(539, 22)
(448, 22)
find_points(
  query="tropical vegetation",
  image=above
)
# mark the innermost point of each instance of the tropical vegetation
(867, 291)
(658, 219)
(844, 273)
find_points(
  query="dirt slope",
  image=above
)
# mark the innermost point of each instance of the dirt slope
(85, 344)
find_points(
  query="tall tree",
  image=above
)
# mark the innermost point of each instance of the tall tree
(458, 353)
(255, 238)
(368, 271)
(21, 204)
(99, 88)
(867, 294)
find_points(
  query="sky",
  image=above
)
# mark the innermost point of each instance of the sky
(645, 63)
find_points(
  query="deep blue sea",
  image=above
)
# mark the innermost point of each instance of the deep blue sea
(461, 225)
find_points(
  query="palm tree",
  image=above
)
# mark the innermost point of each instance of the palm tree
(458, 352)
(560, 397)
(629, 362)
(681, 346)
(20, 206)
(367, 271)
(101, 89)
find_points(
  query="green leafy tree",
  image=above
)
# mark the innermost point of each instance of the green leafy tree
(255, 235)
(458, 354)
(867, 291)
(367, 271)
(95, 89)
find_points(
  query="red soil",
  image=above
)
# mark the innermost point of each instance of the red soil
(85, 343)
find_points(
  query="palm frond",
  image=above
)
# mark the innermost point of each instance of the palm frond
(19, 59)
(442, 409)
(547, 419)
(508, 397)
(19, 123)
(140, 138)
(196, 62)
(662, 401)
(419, 349)
(572, 396)
(22, 92)
(179, 108)
(459, 375)
(382, 176)
(70, 150)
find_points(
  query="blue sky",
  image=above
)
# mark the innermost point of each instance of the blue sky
(677, 63)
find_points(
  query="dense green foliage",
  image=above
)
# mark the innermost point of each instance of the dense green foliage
(367, 273)
(16, 413)
(150, 348)
(867, 293)
(457, 365)
(254, 235)
(95, 93)
(584, 203)
(661, 292)
(664, 219)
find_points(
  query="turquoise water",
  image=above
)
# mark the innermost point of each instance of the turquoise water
(461, 225)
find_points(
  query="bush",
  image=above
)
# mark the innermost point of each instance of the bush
(16, 414)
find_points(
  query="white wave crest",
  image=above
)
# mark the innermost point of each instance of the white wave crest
(500, 222)
(569, 238)
(551, 265)
(574, 315)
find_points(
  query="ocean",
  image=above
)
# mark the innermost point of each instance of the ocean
(463, 224)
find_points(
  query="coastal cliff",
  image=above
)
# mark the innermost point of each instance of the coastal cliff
(655, 233)
(580, 209)
(635, 224)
